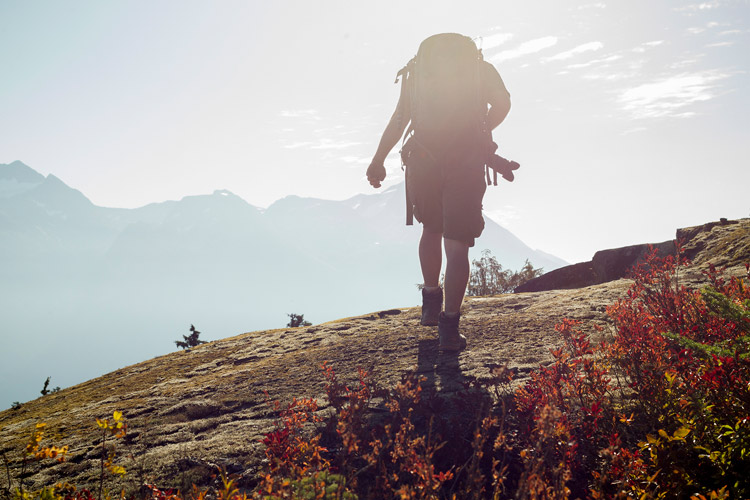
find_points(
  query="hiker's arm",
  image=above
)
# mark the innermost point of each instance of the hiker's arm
(498, 97)
(393, 132)
(497, 113)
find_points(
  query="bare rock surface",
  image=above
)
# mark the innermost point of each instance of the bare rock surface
(606, 265)
(720, 243)
(190, 411)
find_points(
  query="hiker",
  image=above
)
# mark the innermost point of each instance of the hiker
(447, 152)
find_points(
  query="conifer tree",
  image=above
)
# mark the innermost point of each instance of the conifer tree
(296, 320)
(489, 278)
(191, 340)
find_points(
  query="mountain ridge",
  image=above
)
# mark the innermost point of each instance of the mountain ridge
(77, 269)
(390, 199)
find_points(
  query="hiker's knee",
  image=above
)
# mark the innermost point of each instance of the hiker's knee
(431, 235)
(456, 250)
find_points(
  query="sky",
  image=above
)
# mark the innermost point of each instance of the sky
(629, 118)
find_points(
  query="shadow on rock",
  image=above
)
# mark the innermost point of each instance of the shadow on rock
(443, 380)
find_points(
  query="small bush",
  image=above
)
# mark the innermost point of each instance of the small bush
(296, 320)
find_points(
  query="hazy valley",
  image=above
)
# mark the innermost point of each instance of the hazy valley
(86, 289)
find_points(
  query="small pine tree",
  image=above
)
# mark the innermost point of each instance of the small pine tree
(191, 340)
(296, 320)
(527, 272)
(44, 390)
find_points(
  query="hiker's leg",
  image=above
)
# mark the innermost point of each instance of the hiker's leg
(431, 257)
(456, 274)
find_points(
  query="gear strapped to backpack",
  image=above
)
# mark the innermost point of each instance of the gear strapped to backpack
(447, 105)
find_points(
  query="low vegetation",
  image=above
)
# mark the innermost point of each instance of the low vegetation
(296, 320)
(659, 409)
(487, 276)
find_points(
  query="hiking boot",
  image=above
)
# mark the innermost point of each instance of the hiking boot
(432, 305)
(450, 339)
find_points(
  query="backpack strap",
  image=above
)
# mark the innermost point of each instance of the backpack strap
(409, 204)
(404, 72)
(483, 132)
(404, 75)
(493, 180)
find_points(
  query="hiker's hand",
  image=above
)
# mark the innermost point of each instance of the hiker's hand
(375, 174)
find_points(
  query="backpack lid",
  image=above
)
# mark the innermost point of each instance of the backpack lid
(449, 45)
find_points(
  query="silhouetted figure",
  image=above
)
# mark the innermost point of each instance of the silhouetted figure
(452, 100)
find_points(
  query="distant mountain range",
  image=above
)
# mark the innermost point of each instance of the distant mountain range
(85, 289)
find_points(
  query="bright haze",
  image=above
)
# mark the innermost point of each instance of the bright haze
(629, 119)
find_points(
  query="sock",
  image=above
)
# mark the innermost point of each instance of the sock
(432, 289)
(452, 315)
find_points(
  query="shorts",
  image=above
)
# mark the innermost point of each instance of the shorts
(446, 191)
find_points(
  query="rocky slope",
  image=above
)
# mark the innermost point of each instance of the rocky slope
(190, 411)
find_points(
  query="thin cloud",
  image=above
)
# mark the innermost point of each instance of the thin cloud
(298, 145)
(586, 47)
(696, 7)
(671, 96)
(300, 113)
(598, 5)
(323, 144)
(696, 30)
(648, 45)
(610, 77)
(355, 161)
(526, 48)
(624, 70)
(329, 144)
(687, 63)
(635, 130)
(596, 62)
(493, 41)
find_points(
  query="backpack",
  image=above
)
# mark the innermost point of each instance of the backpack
(444, 86)
(446, 104)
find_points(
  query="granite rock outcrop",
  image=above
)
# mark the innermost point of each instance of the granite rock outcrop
(616, 263)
